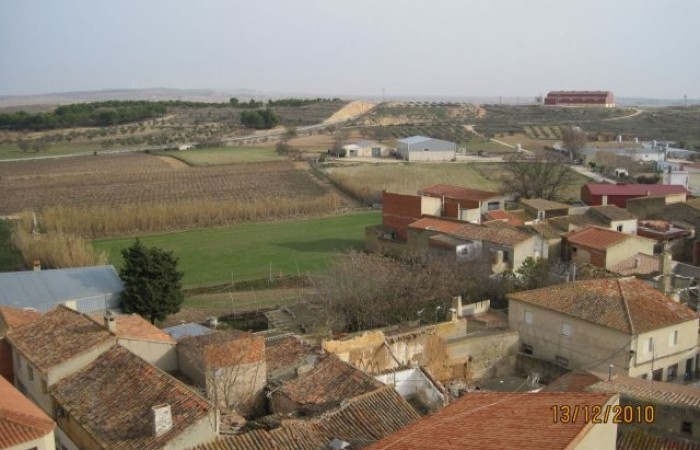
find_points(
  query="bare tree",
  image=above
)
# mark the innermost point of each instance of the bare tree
(574, 140)
(364, 291)
(545, 177)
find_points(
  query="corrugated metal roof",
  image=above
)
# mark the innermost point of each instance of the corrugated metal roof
(187, 329)
(31, 289)
(413, 139)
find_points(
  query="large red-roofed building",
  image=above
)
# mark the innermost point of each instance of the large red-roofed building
(595, 194)
(580, 98)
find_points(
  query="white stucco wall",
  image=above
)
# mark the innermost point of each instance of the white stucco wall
(161, 354)
(47, 442)
(412, 382)
(665, 353)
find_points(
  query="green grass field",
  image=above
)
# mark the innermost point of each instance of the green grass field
(12, 151)
(485, 145)
(225, 155)
(247, 251)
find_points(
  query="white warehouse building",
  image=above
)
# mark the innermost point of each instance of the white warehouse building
(421, 148)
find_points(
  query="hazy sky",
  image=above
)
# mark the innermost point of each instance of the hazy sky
(641, 48)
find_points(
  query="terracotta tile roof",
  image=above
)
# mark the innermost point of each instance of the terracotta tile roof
(285, 352)
(514, 218)
(228, 348)
(611, 212)
(625, 304)
(57, 336)
(360, 421)
(629, 438)
(133, 326)
(650, 391)
(331, 380)
(572, 382)
(596, 238)
(490, 421)
(635, 189)
(21, 420)
(112, 399)
(639, 264)
(501, 235)
(457, 192)
(541, 204)
(15, 317)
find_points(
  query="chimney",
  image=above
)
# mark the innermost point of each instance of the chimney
(111, 322)
(665, 262)
(457, 304)
(162, 419)
(37, 265)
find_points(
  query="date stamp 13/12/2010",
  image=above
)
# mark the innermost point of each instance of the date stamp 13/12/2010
(620, 414)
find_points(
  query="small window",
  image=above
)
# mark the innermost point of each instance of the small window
(527, 349)
(565, 329)
(505, 256)
(619, 228)
(686, 427)
(540, 215)
(426, 149)
(44, 388)
(673, 338)
(564, 362)
(574, 249)
(649, 347)
(30, 373)
(492, 206)
(644, 376)
(528, 317)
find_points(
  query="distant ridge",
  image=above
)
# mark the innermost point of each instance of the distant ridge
(223, 95)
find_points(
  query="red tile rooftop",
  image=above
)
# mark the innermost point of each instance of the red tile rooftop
(635, 189)
(596, 238)
(496, 421)
(21, 421)
(14, 317)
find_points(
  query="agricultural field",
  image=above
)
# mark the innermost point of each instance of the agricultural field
(118, 179)
(225, 155)
(366, 181)
(420, 112)
(255, 251)
(547, 132)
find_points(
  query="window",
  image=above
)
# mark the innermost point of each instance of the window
(687, 427)
(657, 374)
(672, 372)
(644, 376)
(540, 215)
(426, 149)
(649, 346)
(574, 249)
(527, 349)
(564, 362)
(673, 338)
(528, 317)
(44, 388)
(30, 373)
(565, 329)
(619, 228)
(491, 206)
(505, 256)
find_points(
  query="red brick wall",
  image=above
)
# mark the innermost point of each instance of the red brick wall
(399, 210)
(452, 206)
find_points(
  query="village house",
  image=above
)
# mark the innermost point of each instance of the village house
(85, 289)
(456, 200)
(524, 421)
(421, 148)
(330, 382)
(119, 401)
(22, 424)
(52, 347)
(541, 209)
(366, 149)
(142, 338)
(594, 324)
(594, 194)
(11, 318)
(228, 365)
(506, 247)
(360, 421)
(603, 247)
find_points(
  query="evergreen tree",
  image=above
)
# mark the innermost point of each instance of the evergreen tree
(152, 286)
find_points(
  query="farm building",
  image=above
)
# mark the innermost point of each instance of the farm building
(594, 194)
(366, 149)
(421, 148)
(85, 289)
(580, 98)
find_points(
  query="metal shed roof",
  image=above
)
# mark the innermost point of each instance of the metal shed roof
(31, 289)
(187, 329)
(414, 139)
